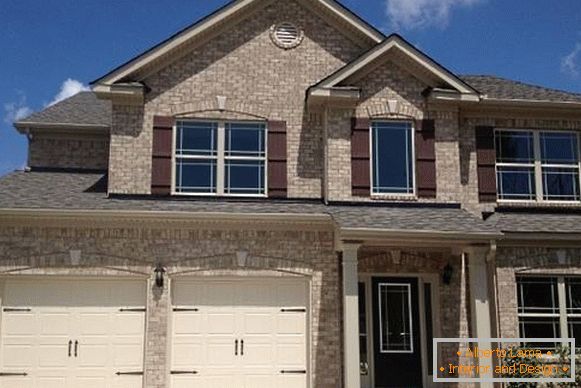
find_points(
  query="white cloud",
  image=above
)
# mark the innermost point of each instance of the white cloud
(570, 63)
(410, 14)
(68, 89)
(17, 110)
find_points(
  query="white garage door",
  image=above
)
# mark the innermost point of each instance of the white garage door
(61, 333)
(240, 333)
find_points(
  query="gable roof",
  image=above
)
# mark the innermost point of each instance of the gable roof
(493, 87)
(228, 11)
(81, 110)
(396, 42)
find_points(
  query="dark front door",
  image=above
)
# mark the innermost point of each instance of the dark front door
(396, 333)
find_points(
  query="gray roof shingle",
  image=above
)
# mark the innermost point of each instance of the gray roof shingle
(83, 108)
(505, 89)
(87, 191)
(536, 222)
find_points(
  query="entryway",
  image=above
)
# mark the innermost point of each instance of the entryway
(396, 330)
(240, 333)
(72, 333)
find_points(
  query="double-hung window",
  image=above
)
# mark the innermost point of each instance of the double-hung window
(220, 158)
(549, 307)
(537, 165)
(392, 150)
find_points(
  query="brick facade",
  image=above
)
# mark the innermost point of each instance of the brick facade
(133, 249)
(76, 152)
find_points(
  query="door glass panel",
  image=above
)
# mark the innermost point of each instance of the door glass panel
(363, 330)
(395, 318)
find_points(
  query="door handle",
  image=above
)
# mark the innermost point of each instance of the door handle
(236, 347)
(76, 348)
(70, 347)
(241, 347)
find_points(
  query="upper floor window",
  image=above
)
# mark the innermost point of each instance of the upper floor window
(392, 150)
(220, 158)
(537, 165)
(549, 307)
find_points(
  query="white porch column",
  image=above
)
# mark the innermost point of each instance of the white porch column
(350, 316)
(480, 303)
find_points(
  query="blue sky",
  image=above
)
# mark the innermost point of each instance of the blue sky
(45, 43)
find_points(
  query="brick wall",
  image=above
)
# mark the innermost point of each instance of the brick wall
(69, 152)
(131, 250)
(256, 77)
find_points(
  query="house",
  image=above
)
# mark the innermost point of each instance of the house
(281, 196)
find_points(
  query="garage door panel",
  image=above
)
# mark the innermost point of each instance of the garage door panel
(291, 294)
(258, 352)
(220, 323)
(187, 354)
(127, 382)
(218, 295)
(291, 381)
(258, 323)
(220, 352)
(290, 324)
(258, 380)
(37, 342)
(251, 295)
(291, 355)
(17, 355)
(19, 323)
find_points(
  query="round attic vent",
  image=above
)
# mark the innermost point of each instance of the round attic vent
(286, 35)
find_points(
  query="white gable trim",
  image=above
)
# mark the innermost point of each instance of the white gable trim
(396, 42)
(211, 21)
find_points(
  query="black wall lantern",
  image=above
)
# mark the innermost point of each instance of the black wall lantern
(447, 273)
(159, 272)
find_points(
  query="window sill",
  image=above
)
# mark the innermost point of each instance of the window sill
(394, 197)
(535, 204)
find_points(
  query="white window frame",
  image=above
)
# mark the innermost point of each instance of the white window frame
(408, 286)
(538, 166)
(220, 159)
(376, 194)
(563, 314)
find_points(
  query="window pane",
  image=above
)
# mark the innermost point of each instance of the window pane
(245, 139)
(196, 138)
(561, 184)
(196, 176)
(514, 147)
(540, 328)
(516, 183)
(559, 148)
(395, 318)
(244, 177)
(392, 158)
(575, 331)
(537, 295)
(573, 291)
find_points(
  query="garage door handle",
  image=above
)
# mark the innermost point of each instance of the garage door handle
(236, 347)
(293, 372)
(184, 372)
(13, 374)
(76, 348)
(129, 373)
(293, 310)
(70, 347)
(242, 347)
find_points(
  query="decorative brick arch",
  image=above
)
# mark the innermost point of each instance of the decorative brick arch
(237, 262)
(224, 105)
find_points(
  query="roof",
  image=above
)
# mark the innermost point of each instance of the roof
(87, 191)
(396, 42)
(337, 10)
(82, 109)
(504, 89)
(536, 221)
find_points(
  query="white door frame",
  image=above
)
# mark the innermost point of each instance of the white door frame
(431, 278)
(307, 280)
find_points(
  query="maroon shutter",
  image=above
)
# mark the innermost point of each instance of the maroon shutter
(426, 159)
(360, 157)
(277, 159)
(486, 159)
(161, 155)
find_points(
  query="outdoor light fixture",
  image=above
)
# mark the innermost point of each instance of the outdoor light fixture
(447, 273)
(159, 272)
